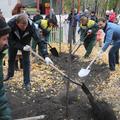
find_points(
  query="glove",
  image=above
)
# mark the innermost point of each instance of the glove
(26, 48)
(89, 32)
(48, 60)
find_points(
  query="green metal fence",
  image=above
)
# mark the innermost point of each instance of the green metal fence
(55, 35)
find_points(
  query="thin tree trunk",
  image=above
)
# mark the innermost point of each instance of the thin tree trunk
(78, 5)
(96, 10)
(115, 6)
(62, 6)
(69, 63)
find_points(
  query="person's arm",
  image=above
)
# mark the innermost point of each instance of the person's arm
(83, 34)
(42, 44)
(93, 29)
(45, 30)
(108, 39)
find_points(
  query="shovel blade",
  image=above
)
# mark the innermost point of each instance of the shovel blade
(83, 72)
(54, 52)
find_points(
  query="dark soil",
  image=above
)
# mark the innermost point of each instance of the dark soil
(52, 101)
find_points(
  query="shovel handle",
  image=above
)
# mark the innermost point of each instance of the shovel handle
(76, 44)
(54, 67)
(74, 51)
(47, 43)
(92, 62)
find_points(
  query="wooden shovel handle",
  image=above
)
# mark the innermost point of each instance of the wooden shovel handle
(74, 51)
(92, 62)
(54, 67)
(47, 43)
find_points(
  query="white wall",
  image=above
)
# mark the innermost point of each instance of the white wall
(6, 6)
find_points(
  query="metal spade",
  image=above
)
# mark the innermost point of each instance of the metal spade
(100, 109)
(84, 72)
(53, 50)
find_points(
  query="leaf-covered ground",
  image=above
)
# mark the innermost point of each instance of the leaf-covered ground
(48, 94)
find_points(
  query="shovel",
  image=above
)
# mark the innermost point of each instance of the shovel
(100, 109)
(53, 50)
(84, 72)
(54, 67)
(74, 50)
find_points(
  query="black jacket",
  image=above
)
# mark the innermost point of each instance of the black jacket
(19, 39)
(74, 24)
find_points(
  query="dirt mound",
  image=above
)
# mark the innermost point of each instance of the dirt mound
(48, 94)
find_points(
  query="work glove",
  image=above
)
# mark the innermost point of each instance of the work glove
(89, 32)
(48, 60)
(26, 48)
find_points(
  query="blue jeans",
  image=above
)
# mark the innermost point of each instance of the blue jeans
(113, 56)
(26, 64)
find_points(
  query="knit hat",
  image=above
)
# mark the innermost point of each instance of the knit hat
(4, 28)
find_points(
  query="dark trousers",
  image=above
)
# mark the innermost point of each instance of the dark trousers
(26, 64)
(71, 34)
(35, 44)
(117, 57)
(89, 44)
(114, 55)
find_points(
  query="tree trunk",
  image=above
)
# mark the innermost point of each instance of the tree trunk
(78, 5)
(115, 5)
(96, 10)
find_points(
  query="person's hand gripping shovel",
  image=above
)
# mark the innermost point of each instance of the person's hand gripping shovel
(53, 50)
(47, 60)
(84, 72)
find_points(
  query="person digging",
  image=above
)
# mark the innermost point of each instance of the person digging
(88, 30)
(5, 111)
(22, 29)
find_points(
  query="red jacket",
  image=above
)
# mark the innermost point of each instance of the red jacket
(112, 17)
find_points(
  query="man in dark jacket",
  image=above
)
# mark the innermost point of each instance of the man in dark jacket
(5, 112)
(93, 16)
(72, 18)
(22, 29)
